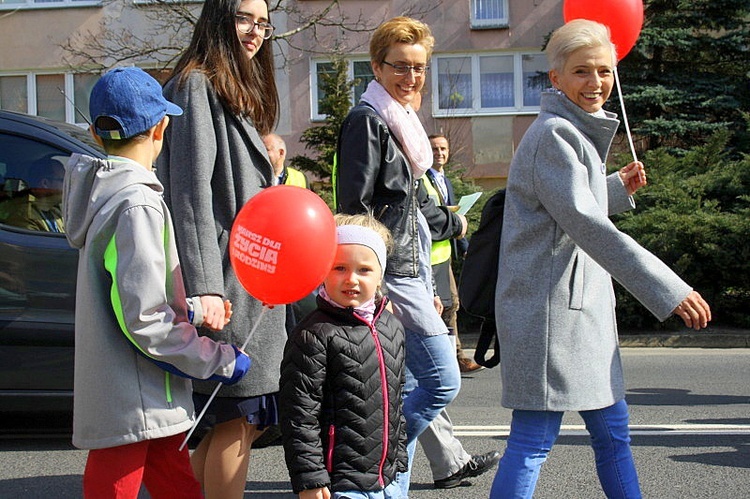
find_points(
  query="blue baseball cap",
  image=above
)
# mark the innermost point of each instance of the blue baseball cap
(131, 97)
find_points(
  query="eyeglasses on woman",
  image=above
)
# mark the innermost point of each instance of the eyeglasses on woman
(403, 69)
(246, 25)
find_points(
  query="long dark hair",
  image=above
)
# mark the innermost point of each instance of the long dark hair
(246, 87)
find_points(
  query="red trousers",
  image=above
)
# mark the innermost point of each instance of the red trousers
(117, 472)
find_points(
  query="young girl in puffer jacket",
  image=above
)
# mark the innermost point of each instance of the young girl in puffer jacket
(342, 375)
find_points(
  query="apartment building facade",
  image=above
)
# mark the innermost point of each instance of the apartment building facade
(482, 89)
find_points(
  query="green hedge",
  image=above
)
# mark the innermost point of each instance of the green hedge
(695, 215)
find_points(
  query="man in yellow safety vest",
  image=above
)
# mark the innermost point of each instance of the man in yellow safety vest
(440, 187)
(450, 463)
(276, 148)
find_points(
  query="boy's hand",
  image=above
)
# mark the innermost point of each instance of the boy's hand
(242, 364)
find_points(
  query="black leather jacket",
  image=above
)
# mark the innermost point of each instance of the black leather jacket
(374, 175)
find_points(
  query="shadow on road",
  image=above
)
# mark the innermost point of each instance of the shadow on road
(677, 397)
(59, 487)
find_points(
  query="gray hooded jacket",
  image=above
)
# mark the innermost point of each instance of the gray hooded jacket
(134, 348)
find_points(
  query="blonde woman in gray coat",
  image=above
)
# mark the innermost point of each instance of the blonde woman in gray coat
(555, 304)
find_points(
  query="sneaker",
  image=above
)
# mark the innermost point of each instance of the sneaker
(476, 466)
(480, 464)
(466, 365)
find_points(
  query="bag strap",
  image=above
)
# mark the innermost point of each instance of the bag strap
(487, 338)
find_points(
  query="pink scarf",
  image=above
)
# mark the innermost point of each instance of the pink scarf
(365, 310)
(403, 122)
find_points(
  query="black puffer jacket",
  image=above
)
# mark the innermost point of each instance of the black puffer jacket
(340, 400)
(374, 174)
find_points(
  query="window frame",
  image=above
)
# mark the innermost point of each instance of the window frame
(71, 114)
(499, 22)
(315, 115)
(476, 109)
(154, 2)
(49, 4)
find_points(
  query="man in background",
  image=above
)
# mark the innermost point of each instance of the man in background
(276, 148)
(450, 464)
(444, 251)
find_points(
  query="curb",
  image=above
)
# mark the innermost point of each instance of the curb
(687, 340)
(708, 338)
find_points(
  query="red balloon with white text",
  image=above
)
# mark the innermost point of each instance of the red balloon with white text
(282, 244)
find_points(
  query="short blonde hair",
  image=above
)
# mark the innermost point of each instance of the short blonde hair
(574, 35)
(370, 222)
(400, 30)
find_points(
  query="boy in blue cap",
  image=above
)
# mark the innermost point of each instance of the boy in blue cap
(135, 351)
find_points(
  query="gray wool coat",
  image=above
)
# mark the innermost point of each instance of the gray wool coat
(555, 303)
(212, 163)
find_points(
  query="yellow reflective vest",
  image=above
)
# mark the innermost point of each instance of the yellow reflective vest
(441, 250)
(296, 178)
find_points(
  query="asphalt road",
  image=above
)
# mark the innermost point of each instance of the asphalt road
(690, 418)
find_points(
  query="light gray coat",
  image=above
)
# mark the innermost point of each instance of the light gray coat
(212, 163)
(555, 304)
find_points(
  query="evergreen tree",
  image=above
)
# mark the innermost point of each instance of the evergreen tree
(695, 215)
(688, 75)
(335, 102)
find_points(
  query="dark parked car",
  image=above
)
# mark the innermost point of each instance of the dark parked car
(38, 268)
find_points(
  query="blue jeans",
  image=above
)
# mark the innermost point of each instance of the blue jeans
(432, 382)
(392, 491)
(432, 375)
(532, 434)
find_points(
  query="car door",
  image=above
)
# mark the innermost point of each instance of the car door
(38, 270)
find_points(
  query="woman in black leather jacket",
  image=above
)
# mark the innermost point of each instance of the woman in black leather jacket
(383, 150)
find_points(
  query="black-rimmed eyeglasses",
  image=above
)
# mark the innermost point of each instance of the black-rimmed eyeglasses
(245, 25)
(403, 69)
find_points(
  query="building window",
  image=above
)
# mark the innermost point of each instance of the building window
(82, 85)
(59, 96)
(455, 90)
(489, 14)
(360, 72)
(503, 83)
(45, 4)
(14, 93)
(50, 98)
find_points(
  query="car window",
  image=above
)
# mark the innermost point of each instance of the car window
(31, 175)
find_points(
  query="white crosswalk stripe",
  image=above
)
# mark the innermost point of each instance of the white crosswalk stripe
(650, 429)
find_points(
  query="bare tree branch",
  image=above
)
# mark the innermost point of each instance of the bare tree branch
(169, 25)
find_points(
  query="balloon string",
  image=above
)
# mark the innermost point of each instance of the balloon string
(625, 115)
(216, 390)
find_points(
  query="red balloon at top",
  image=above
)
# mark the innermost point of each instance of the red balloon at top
(282, 244)
(624, 18)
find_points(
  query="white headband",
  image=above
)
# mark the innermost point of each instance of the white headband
(356, 234)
